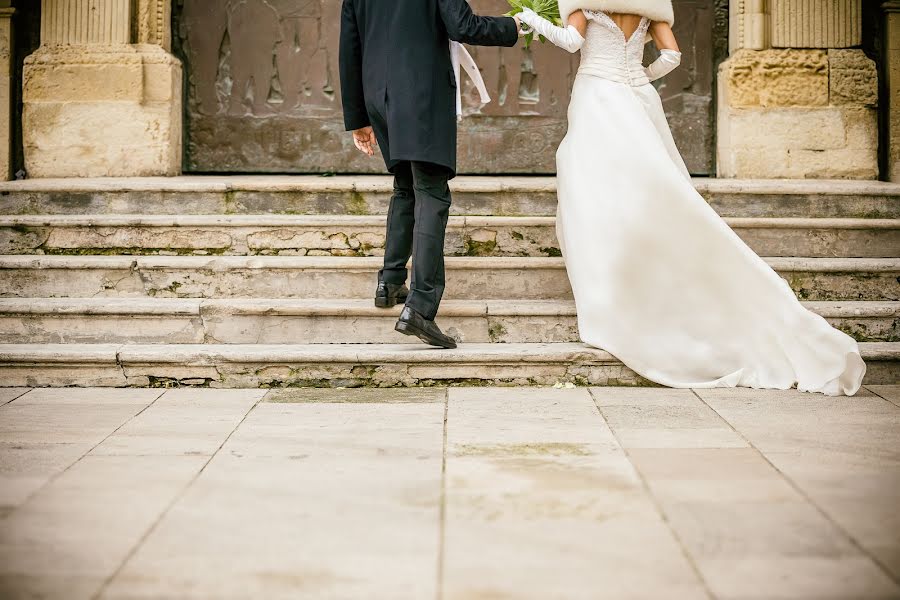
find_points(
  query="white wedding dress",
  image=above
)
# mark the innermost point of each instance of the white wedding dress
(660, 281)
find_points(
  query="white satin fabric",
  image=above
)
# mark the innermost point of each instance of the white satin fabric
(460, 57)
(660, 280)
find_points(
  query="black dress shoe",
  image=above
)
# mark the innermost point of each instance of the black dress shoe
(390, 294)
(412, 323)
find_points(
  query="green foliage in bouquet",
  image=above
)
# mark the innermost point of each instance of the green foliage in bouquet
(549, 9)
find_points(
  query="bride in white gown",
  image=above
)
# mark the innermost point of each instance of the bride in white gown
(659, 279)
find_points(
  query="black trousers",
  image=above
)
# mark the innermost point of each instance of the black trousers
(417, 220)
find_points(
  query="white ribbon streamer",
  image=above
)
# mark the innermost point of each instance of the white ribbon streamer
(461, 58)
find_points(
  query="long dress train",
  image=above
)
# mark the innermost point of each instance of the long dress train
(659, 279)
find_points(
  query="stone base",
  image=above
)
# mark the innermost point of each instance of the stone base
(101, 112)
(802, 114)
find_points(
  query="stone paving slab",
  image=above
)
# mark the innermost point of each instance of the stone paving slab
(189, 422)
(835, 450)
(651, 420)
(542, 503)
(10, 394)
(891, 393)
(82, 526)
(731, 508)
(334, 500)
(25, 467)
(356, 396)
(463, 493)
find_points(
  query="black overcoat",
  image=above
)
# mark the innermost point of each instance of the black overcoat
(396, 73)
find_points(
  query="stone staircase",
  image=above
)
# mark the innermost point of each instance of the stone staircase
(267, 281)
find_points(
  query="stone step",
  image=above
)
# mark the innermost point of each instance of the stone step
(268, 321)
(489, 278)
(364, 235)
(338, 365)
(364, 195)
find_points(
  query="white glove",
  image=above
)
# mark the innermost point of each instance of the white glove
(667, 62)
(566, 38)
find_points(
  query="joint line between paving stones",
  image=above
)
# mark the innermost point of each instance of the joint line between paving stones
(11, 400)
(894, 404)
(853, 541)
(78, 460)
(656, 503)
(442, 510)
(171, 505)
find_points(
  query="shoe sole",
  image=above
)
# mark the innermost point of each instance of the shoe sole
(407, 329)
(383, 302)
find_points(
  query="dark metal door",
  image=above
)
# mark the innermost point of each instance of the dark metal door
(263, 93)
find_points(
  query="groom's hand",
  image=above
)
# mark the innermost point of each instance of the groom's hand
(521, 27)
(365, 140)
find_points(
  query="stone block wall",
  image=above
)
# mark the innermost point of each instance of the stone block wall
(795, 113)
(796, 99)
(96, 104)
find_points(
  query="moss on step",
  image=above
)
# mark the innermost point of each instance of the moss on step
(861, 332)
(357, 204)
(172, 288)
(474, 248)
(496, 332)
(133, 251)
(231, 204)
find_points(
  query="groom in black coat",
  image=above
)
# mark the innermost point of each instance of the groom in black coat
(399, 92)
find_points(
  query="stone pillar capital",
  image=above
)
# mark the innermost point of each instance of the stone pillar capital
(891, 6)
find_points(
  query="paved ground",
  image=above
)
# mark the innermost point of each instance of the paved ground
(475, 493)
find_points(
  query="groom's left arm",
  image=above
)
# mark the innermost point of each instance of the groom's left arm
(466, 27)
(351, 69)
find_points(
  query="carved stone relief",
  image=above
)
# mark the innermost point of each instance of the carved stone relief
(264, 94)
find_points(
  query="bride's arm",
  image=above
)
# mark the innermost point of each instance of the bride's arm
(579, 22)
(669, 56)
(569, 38)
(663, 36)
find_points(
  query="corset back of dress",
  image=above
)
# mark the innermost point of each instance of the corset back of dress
(607, 54)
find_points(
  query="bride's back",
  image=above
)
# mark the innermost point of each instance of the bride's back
(626, 22)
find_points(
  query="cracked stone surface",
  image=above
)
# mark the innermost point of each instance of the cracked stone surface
(459, 493)
(491, 278)
(294, 235)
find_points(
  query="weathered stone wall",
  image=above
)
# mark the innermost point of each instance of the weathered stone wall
(795, 112)
(6, 95)
(96, 105)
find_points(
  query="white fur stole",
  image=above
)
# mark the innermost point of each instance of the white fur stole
(655, 10)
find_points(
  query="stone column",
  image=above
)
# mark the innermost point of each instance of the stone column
(796, 100)
(6, 107)
(95, 102)
(892, 71)
(749, 25)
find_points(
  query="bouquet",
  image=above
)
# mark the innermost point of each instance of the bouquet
(549, 9)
